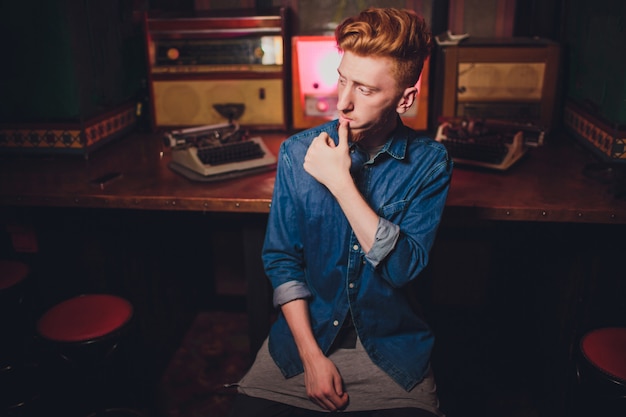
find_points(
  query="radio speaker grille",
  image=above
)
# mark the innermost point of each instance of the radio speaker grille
(184, 103)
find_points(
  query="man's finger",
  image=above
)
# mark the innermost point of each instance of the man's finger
(344, 133)
(325, 139)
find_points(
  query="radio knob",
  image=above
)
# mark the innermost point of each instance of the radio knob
(322, 106)
(173, 54)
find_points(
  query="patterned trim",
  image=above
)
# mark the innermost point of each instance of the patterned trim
(71, 137)
(609, 142)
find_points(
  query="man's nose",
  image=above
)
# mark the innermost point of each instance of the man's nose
(344, 100)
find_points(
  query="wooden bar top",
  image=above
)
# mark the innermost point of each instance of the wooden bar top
(548, 184)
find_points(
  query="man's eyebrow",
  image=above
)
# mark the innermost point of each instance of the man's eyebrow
(360, 84)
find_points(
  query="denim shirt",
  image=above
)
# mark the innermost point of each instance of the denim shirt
(311, 252)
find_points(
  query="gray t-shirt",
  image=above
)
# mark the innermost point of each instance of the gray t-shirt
(368, 386)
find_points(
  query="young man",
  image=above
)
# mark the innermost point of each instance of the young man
(355, 210)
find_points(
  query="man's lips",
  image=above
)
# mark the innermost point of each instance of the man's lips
(343, 119)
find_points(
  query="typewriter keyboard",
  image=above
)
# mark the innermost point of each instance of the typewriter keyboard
(489, 149)
(230, 152)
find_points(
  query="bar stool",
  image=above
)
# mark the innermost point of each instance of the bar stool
(13, 281)
(19, 389)
(86, 355)
(601, 372)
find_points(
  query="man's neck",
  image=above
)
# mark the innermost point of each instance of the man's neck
(378, 137)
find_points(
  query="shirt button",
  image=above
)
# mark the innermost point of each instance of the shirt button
(355, 247)
(351, 285)
(336, 323)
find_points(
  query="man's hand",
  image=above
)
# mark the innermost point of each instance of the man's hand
(329, 163)
(324, 385)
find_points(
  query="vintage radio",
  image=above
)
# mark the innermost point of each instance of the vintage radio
(315, 60)
(202, 66)
(507, 79)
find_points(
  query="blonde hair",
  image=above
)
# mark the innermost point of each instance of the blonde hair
(399, 34)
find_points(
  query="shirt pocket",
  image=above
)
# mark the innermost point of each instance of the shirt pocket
(393, 210)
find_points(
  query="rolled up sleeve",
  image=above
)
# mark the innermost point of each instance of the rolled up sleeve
(289, 291)
(385, 240)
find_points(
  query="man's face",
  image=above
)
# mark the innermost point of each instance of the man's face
(368, 97)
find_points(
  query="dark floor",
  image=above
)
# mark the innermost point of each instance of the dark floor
(489, 376)
(472, 380)
(504, 326)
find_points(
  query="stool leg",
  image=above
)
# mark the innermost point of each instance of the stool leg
(19, 376)
(595, 394)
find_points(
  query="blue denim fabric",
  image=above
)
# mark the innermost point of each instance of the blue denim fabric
(311, 252)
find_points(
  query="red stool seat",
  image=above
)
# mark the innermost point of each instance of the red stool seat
(86, 351)
(605, 349)
(12, 273)
(84, 318)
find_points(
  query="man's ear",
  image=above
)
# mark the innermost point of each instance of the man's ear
(407, 100)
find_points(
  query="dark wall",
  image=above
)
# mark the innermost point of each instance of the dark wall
(595, 41)
(542, 18)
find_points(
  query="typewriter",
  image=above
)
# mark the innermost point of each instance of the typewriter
(490, 144)
(217, 152)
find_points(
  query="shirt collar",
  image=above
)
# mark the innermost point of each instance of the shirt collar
(396, 145)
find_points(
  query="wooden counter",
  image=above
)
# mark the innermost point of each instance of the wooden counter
(547, 185)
